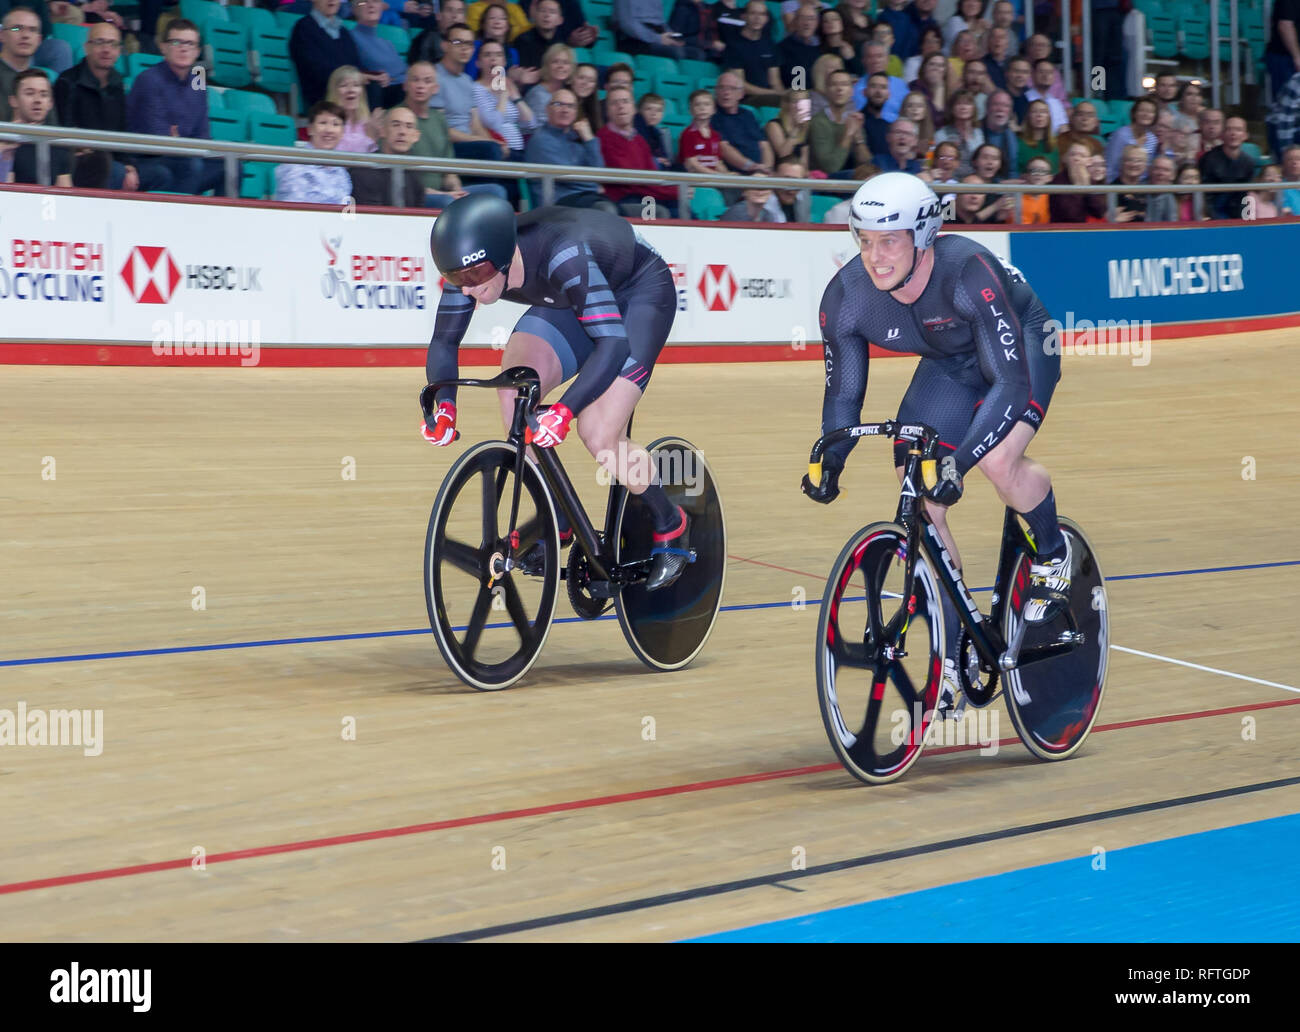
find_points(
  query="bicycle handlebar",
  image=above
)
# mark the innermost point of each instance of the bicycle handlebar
(926, 436)
(523, 378)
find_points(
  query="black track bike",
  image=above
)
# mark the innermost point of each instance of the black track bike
(880, 636)
(493, 563)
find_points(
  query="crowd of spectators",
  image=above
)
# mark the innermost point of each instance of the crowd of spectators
(841, 94)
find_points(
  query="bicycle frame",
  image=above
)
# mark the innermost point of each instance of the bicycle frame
(528, 386)
(995, 653)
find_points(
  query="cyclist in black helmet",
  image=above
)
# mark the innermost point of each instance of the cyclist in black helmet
(601, 304)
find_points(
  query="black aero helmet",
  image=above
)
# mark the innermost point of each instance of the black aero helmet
(473, 239)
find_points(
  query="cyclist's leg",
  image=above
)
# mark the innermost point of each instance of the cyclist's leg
(541, 342)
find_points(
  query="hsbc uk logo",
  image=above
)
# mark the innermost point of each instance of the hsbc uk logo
(719, 288)
(150, 275)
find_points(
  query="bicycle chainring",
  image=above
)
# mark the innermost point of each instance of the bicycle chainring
(578, 579)
(979, 686)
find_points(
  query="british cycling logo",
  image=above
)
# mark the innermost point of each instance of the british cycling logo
(152, 276)
(380, 281)
(53, 270)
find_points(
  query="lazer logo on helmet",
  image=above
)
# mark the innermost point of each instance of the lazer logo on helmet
(929, 211)
(470, 259)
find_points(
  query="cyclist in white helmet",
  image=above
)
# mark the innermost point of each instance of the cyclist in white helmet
(984, 381)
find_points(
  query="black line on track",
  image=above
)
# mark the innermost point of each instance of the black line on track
(721, 888)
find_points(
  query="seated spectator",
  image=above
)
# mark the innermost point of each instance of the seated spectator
(874, 124)
(585, 80)
(916, 109)
(1290, 199)
(434, 140)
(500, 107)
(90, 95)
(575, 29)
(622, 147)
(518, 20)
(494, 26)
(884, 35)
(557, 72)
(821, 72)
(1210, 125)
(988, 163)
(960, 127)
(398, 132)
(975, 81)
(1083, 129)
(830, 30)
(317, 184)
(699, 148)
(428, 45)
(1044, 72)
(1190, 175)
(532, 45)
(1171, 139)
(20, 38)
(649, 123)
(1228, 163)
(347, 90)
(318, 44)
(51, 52)
(752, 51)
(942, 172)
(857, 19)
(1079, 169)
(755, 206)
(791, 8)
(999, 53)
(788, 131)
(800, 49)
(901, 156)
(30, 102)
(1131, 207)
(972, 209)
(969, 17)
(875, 58)
(1037, 137)
(1191, 102)
(1161, 207)
(744, 146)
(163, 102)
(1019, 74)
(786, 200)
(1283, 119)
(621, 74)
(998, 129)
(469, 138)
(639, 28)
(695, 22)
(1039, 48)
(567, 140)
(1140, 130)
(1006, 16)
(837, 144)
(1034, 208)
(1165, 93)
(729, 16)
(963, 50)
(378, 55)
(931, 43)
(933, 85)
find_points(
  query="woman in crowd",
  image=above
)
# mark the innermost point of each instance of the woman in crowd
(1036, 137)
(834, 41)
(786, 133)
(916, 106)
(933, 82)
(960, 128)
(347, 89)
(557, 71)
(500, 107)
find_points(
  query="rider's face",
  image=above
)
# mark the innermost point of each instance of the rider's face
(489, 292)
(887, 256)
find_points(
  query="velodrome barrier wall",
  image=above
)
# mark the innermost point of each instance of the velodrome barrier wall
(181, 278)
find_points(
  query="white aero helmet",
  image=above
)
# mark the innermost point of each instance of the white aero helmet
(897, 200)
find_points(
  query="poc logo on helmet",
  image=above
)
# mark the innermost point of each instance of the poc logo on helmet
(477, 256)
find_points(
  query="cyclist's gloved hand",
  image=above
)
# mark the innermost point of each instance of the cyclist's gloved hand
(442, 431)
(828, 488)
(948, 489)
(552, 427)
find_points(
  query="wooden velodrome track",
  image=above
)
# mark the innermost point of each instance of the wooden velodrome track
(231, 480)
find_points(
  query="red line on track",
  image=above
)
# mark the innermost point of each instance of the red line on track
(773, 566)
(538, 811)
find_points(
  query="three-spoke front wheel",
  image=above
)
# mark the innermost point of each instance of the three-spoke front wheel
(490, 624)
(877, 704)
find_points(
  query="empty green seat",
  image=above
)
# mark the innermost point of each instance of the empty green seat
(248, 101)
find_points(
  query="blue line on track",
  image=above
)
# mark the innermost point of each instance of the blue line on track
(1212, 886)
(86, 657)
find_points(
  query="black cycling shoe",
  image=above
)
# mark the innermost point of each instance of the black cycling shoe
(671, 555)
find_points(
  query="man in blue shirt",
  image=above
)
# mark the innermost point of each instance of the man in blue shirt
(744, 147)
(381, 64)
(164, 102)
(564, 140)
(875, 60)
(901, 156)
